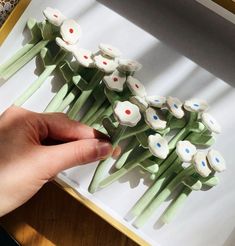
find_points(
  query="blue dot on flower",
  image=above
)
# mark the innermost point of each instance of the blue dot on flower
(175, 105)
(156, 100)
(217, 159)
(196, 105)
(158, 145)
(187, 150)
(203, 163)
(211, 122)
(155, 117)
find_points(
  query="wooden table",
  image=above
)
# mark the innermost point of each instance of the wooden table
(52, 217)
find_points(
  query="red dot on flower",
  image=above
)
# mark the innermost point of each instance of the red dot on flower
(104, 62)
(137, 86)
(56, 16)
(86, 57)
(110, 49)
(115, 79)
(71, 30)
(127, 111)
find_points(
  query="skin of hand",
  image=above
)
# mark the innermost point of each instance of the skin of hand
(28, 161)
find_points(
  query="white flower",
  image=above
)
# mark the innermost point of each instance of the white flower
(109, 50)
(54, 16)
(83, 57)
(115, 81)
(156, 101)
(158, 146)
(136, 87)
(127, 65)
(65, 46)
(127, 113)
(185, 150)
(104, 64)
(210, 123)
(175, 106)
(216, 160)
(70, 31)
(154, 120)
(140, 102)
(195, 105)
(200, 164)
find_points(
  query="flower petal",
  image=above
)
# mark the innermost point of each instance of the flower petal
(175, 107)
(115, 81)
(109, 50)
(185, 150)
(154, 120)
(136, 87)
(196, 105)
(127, 113)
(104, 64)
(128, 65)
(158, 146)
(216, 160)
(200, 164)
(140, 102)
(156, 101)
(83, 57)
(54, 16)
(65, 46)
(210, 123)
(70, 31)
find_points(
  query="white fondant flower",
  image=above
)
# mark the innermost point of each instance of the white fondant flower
(158, 146)
(104, 64)
(140, 102)
(136, 87)
(70, 31)
(195, 105)
(54, 16)
(109, 50)
(156, 101)
(200, 164)
(185, 150)
(210, 123)
(65, 46)
(175, 106)
(127, 113)
(83, 57)
(154, 120)
(115, 81)
(128, 65)
(216, 160)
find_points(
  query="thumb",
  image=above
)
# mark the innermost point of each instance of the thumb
(59, 157)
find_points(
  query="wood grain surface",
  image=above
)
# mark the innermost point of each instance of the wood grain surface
(52, 217)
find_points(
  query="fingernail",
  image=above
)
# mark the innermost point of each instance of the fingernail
(105, 149)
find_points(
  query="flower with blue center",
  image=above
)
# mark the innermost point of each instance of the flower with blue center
(156, 101)
(154, 119)
(195, 105)
(201, 165)
(158, 146)
(174, 105)
(185, 150)
(216, 160)
(210, 123)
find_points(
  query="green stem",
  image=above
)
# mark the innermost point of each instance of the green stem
(16, 56)
(85, 94)
(175, 205)
(58, 98)
(24, 59)
(34, 86)
(162, 196)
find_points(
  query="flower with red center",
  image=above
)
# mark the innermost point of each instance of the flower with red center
(136, 87)
(64, 45)
(126, 113)
(54, 16)
(109, 50)
(83, 57)
(105, 64)
(127, 65)
(115, 81)
(70, 31)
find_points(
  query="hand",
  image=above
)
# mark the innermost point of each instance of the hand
(27, 163)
